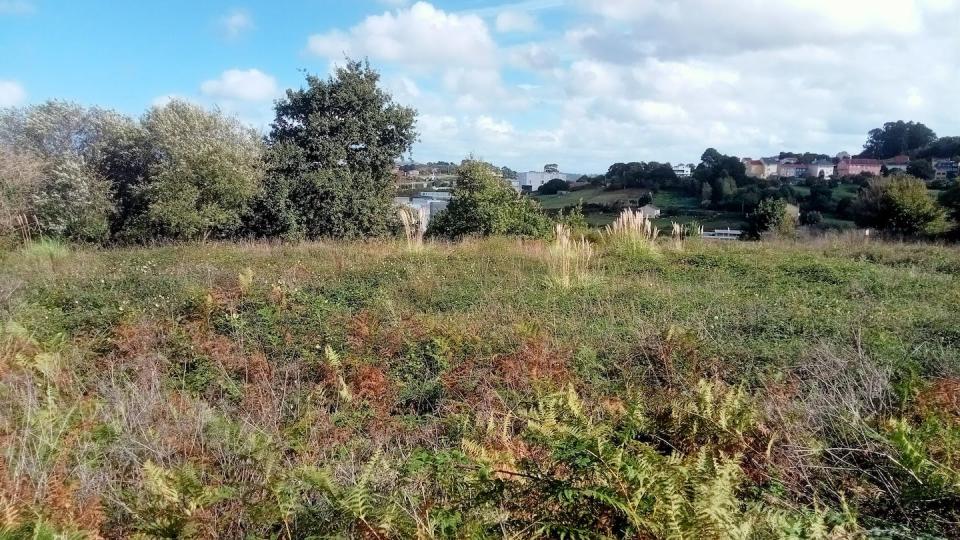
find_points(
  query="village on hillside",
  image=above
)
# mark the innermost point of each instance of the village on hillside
(801, 179)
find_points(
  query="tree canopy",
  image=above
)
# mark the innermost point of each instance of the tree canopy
(649, 175)
(899, 204)
(897, 138)
(553, 187)
(484, 205)
(330, 153)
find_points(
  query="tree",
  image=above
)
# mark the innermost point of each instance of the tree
(811, 218)
(944, 147)
(899, 204)
(638, 174)
(332, 147)
(553, 186)
(722, 173)
(770, 215)
(485, 205)
(897, 138)
(201, 170)
(55, 149)
(21, 174)
(73, 202)
(921, 168)
(950, 199)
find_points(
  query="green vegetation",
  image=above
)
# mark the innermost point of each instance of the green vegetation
(900, 205)
(485, 205)
(184, 173)
(755, 390)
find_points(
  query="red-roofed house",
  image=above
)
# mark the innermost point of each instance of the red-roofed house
(855, 166)
(899, 163)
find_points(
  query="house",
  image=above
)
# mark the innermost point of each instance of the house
(723, 234)
(898, 163)
(683, 170)
(823, 167)
(754, 167)
(531, 181)
(770, 166)
(649, 211)
(405, 182)
(790, 168)
(946, 168)
(856, 166)
(428, 203)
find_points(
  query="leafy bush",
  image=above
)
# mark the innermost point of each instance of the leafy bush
(770, 216)
(900, 205)
(553, 186)
(485, 205)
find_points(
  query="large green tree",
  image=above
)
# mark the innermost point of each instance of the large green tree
(771, 215)
(203, 168)
(922, 169)
(52, 179)
(332, 147)
(900, 205)
(950, 199)
(897, 138)
(485, 205)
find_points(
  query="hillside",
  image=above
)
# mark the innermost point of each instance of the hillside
(362, 390)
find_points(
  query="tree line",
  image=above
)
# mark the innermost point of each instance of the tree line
(181, 172)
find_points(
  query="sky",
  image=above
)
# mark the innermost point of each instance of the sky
(581, 83)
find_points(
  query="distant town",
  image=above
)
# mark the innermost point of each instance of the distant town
(817, 188)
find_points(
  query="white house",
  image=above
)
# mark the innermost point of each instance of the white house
(650, 211)
(683, 170)
(817, 168)
(531, 181)
(770, 166)
(430, 203)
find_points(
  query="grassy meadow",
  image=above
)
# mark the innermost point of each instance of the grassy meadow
(365, 390)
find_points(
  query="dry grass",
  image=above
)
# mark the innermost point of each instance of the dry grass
(249, 363)
(569, 259)
(414, 221)
(633, 231)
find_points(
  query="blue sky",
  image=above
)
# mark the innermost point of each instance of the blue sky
(582, 83)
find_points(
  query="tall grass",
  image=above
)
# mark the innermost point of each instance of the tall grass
(44, 254)
(632, 231)
(569, 258)
(679, 233)
(414, 221)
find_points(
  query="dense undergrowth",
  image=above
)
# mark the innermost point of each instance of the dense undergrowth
(772, 390)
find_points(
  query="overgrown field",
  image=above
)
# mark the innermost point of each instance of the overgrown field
(753, 390)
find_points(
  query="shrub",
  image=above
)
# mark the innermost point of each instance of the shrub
(900, 205)
(771, 215)
(811, 218)
(553, 186)
(569, 258)
(485, 205)
(73, 202)
(632, 231)
(205, 168)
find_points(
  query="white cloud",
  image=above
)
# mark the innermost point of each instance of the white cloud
(236, 23)
(241, 85)
(11, 94)
(662, 79)
(16, 7)
(515, 21)
(420, 36)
